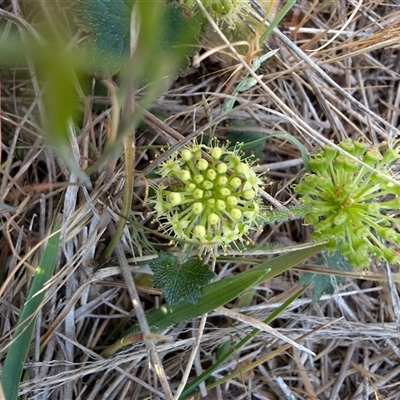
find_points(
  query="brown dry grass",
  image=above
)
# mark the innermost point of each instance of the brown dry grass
(336, 75)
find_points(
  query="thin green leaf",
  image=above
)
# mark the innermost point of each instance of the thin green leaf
(285, 9)
(224, 354)
(247, 83)
(257, 63)
(22, 336)
(296, 142)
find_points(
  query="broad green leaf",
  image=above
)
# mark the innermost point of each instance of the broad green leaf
(179, 36)
(22, 336)
(107, 25)
(164, 46)
(180, 282)
(324, 284)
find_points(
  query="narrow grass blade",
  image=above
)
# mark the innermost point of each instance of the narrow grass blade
(285, 9)
(209, 371)
(22, 336)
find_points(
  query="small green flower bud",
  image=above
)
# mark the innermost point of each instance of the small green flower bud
(186, 155)
(242, 168)
(184, 175)
(307, 184)
(234, 160)
(232, 201)
(197, 207)
(359, 147)
(325, 182)
(202, 164)
(311, 219)
(387, 233)
(376, 252)
(235, 183)
(211, 203)
(345, 248)
(340, 218)
(350, 166)
(225, 192)
(340, 161)
(331, 245)
(373, 208)
(190, 187)
(175, 198)
(391, 256)
(199, 231)
(198, 179)
(213, 219)
(236, 213)
(208, 194)
(359, 259)
(221, 205)
(222, 168)
(347, 145)
(216, 153)
(363, 232)
(222, 180)
(211, 174)
(207, 185)
(318, 164)
(198, 194)
(390, 156)
(329, 153)
(349, 189)
(372, 156)
(249, 194)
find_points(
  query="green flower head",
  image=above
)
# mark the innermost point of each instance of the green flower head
(350, 206)
(209, 197)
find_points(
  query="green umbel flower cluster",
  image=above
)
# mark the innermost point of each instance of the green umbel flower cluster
(351, 206)
(208, 201)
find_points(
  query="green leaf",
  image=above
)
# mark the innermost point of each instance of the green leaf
(180, 282)
(165, 46)
(180, 36)
(227, 349)
(22, 336)
(107, 23)
(325, 284)
(254, 142)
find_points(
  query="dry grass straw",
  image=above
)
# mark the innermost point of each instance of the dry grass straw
(336, 75)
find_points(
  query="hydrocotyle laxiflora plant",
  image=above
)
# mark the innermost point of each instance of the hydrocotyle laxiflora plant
(352, 207)
(209, 197)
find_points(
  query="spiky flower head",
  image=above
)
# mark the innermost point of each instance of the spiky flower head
(351, 206)
(210, 196)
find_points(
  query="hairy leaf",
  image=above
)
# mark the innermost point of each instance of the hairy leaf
(325, 284)
(180, 282)
(165, 47)
(107, 23)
